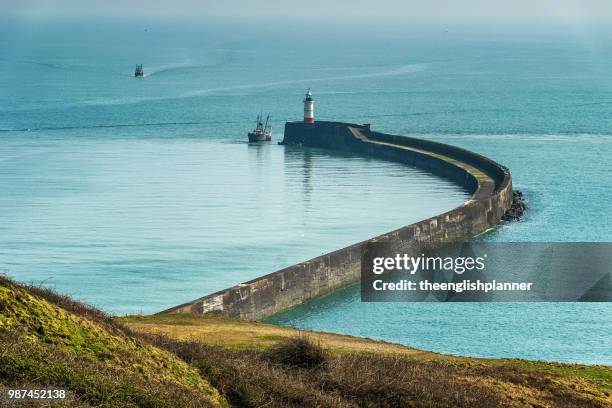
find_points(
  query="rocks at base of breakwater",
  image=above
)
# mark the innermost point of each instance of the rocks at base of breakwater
(517, 208)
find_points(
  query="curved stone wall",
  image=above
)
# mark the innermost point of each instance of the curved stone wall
(489, 183)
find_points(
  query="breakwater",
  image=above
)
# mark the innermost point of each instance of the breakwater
(489, 183)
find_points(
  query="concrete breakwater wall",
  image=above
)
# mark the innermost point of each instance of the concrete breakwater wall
(489, 183)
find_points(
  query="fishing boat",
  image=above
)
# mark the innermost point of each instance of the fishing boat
(138, 72)
(262, 131)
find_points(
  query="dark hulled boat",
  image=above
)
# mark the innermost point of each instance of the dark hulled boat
(262, 132)
(138, 72)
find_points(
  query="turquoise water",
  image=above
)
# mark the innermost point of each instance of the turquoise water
(141, 224)
(136, 195)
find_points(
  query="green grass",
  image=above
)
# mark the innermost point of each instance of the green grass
(238, 358)
(46, 340)
(601, 375)
(191, 361)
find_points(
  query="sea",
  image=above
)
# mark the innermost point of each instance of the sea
(135, 195)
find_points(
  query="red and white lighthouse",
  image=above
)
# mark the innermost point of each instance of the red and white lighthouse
(308, 107)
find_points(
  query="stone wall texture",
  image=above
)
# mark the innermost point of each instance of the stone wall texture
(489, 183)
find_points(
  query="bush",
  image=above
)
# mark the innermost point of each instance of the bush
(298, 352)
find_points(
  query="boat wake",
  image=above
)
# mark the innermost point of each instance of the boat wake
(116, 125)
(149, 70)
(387, 72)
(401, 70)
(169, 68)
(77, 67)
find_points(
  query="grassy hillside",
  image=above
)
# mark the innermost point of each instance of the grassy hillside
(189, 361)
(241, 359)
(49, 340)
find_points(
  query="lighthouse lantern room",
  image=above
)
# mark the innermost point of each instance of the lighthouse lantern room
(308, 107)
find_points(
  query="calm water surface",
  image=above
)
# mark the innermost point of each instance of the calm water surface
(140, 225)
(136, 195)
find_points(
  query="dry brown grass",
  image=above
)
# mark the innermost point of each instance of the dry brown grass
(255, 378)
(171, 360)
(239, 334)
(359, 372)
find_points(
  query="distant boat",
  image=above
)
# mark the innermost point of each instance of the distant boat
(262, 132)
(138, 73)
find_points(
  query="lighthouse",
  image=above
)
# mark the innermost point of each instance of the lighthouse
(308, 107)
